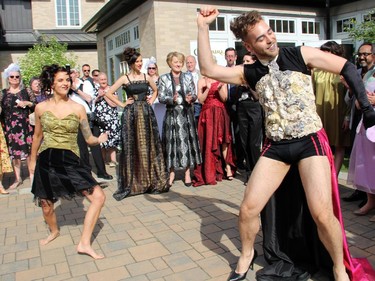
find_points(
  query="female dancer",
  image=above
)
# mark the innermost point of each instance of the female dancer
(180, 139)
(141, 162)
(214, 134)
(58, 172)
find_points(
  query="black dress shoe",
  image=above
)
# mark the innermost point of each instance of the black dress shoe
(105, 176)
(355, 196)
(121, 194)
(242, 276)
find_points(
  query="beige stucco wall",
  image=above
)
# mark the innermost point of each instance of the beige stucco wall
(44, 12)
(167, 25)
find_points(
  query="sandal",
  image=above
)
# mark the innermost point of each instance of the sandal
(229, 176)
(15, 184)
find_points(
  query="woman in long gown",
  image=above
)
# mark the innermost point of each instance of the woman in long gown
(58, 169)
(180, 138)
(214, 134)
(141, 162)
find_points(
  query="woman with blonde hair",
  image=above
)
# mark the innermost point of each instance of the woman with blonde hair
(159, 108)
(180, 138)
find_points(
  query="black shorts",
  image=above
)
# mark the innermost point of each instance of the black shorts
(294, 150)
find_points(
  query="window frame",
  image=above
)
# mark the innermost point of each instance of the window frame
(68, 11)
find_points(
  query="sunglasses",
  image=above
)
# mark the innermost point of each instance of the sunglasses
(153, 68)
(364, 54)
(12, 76)
(86, 70)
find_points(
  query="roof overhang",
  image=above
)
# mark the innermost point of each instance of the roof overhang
(116, 9)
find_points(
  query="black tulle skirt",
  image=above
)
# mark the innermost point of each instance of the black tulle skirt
(60, 174)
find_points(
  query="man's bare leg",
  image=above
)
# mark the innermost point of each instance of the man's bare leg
(51, 220)
(316, 178)
(97, 199)
(259, 189)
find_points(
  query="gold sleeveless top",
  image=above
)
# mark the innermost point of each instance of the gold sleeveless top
(60, 133)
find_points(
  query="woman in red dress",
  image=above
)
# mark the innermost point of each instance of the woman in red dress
(214, 134)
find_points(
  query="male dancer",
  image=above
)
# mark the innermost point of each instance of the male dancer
(293, 129)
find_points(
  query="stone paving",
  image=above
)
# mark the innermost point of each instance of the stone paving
(185, 234)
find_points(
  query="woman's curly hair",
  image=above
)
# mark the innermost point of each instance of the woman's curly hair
(240, 25)
(130, 55)
(333, 47)
(47, 77)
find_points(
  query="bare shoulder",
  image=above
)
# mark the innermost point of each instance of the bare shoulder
(78, 109)
(40, 108)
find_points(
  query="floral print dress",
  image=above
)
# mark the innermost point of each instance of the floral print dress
(18, 131)
(109, 122)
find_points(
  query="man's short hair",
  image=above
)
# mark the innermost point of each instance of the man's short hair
(370, 44)
(240, 25)
(230, 49)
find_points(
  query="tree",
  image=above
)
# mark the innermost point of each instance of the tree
(48, 51)
(364, 31)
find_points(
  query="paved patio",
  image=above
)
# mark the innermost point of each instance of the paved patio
(186, 234)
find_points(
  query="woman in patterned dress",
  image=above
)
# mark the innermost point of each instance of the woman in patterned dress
(17, 104)
(180, 137)
(141, 162)
(106, 112)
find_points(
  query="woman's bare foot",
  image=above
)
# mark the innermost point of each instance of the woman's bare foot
(15, 184)
(82, 250)
(49, 238)
(2, 190)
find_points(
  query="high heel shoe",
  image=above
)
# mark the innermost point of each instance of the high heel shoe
(241, 276)
(187, 184)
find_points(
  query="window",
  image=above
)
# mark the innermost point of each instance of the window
(282, 26)
(369, 17)
(122, 39)
(136, 33)
(310, 27)
(110, 45)
(67, 13)
(342, 25)
(218, 24)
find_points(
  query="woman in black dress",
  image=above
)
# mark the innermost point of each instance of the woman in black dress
(141, 162)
